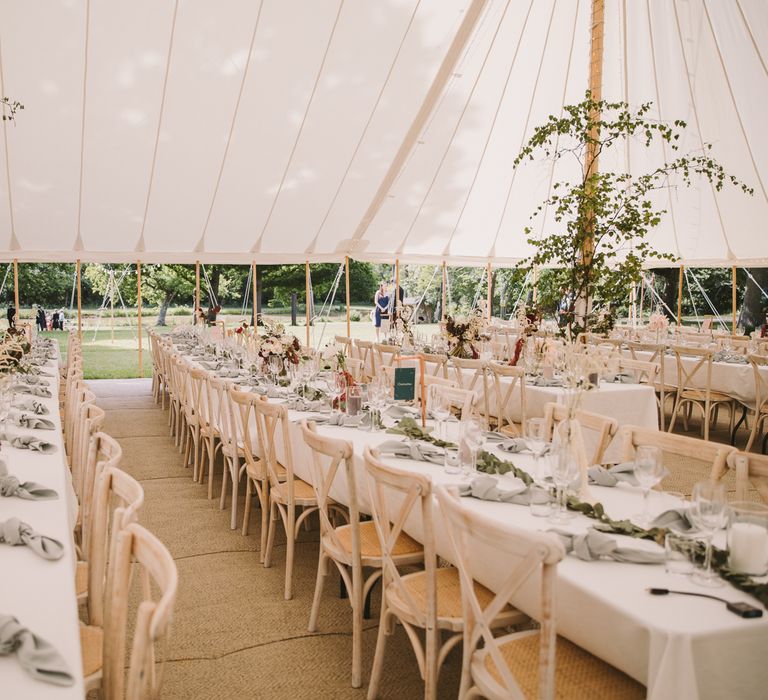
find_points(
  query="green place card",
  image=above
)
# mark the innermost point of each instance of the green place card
(405, 383)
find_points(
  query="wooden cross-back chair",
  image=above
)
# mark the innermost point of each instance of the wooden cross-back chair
(658, 356)
(345, 342)
(412, 599)
(521, 664)
(386, 355)
(750, 469)
(92, 422)
(760, 370)
(435, 365)
(366, 355)
(210, 411)
(287, 493)
(507, 381)
(231, 447)
(352, 546)
(197, 420)
(713, 453)
(643, 371)
(472, 375)
(106, 663)
(694, 389)
(603, 427)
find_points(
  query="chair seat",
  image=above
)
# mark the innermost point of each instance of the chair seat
(449, 610)
(257, 472)
(91, 645)
(701, 395)
(370, 546)
(81, 578)
(302, 491)
(578, 674)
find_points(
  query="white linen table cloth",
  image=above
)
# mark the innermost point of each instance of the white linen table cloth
(41, 593)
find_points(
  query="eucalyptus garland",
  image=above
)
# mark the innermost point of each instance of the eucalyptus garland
(490, 464)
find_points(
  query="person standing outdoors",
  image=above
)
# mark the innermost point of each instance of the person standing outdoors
(11, 315)
(381, 304)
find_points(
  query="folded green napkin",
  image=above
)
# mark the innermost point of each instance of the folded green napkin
(27, 403)
(610, 476)
(29, 490)
(543, 381)
(299, 404)
(596, 545)
(336, 419)
(16, 533)
(420, 451)
(27, 420)
(677, 519)
(28, 442)
(31, 379)
(398, 412)
(36, 656)
(33, 389)
(507, 489)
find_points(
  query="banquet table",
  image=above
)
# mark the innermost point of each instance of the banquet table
(679, 647)
(38, 592)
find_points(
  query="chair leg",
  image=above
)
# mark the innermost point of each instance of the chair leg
(356, 598)
(431, 648)
(264, 502)
(224, 478)
(235, 484)
(381, 642)
(322, 572)
(290, 548)
(273, 516)
(247, 505)
(211, 460)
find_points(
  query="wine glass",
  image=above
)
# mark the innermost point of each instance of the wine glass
(339, 387)
(440, 407)
(648, 472)
(709, 513)
(565, 469)
(535, 440)
(473, 438)
(275, 365)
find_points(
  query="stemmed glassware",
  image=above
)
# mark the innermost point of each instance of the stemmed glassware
(564, 470)
(535, 440)
(275, 365)
(473, 438)
(440, 407)
(648, 472)
(709, 513)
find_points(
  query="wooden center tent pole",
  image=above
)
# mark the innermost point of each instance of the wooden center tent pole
(445, 285)
(349, 319)
(79, 302)
(255, 290)
(138, 304)
(397, 286)
(306, 282)
(197, 291)
(680, 296)
(16, 287)
(490, 292)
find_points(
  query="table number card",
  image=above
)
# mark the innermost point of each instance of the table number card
(405, 383)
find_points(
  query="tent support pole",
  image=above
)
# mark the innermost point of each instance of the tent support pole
(733, 297)
(490, 292)
(79, 303)
(445, 285)
(16, 286)
(349, 318)
(255, 287)
(397, 287)
(680, 296)
(138, 303)
(306, 284)
(535, 285)
(197, 291)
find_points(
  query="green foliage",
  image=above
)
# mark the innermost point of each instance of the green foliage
(598, 242)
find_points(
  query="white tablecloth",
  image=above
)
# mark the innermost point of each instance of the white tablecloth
(41, 593)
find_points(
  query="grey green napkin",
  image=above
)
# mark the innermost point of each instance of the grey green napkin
(27, 403)
(676, 519)
(16, 533)
(36, 656)
(420, 451)
(625, 378)
(610, 476)
(300, 404)
(596, 545)
(33, 389)
(29, 490)
(518, 444)
(28, 442)
(731, 357)
(26, 420)
(398, 412)
(543, 381)
(489, 488)
(31, 379)
(336, 418)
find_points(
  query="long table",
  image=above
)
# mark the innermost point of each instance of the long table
(41, 593)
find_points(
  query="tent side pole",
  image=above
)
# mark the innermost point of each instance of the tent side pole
(306, 283)
(733, 297)
(490, 292)
(445, 285)
(138, 303)
(535, 285)
(255, 286)
(397, 286)
(349, 319)
(680, 296)
(79, 303)
(197, 291)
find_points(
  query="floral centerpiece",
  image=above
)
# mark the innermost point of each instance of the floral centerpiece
(12, 351)
(463, 333)
(275, 342)
(528, 318)
(658, 322)
(402, 322)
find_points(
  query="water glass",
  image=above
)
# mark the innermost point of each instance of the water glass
(452, 463)
(535, 438)
(648, 472)
(708, 512)
(541, 501)
(678, 553)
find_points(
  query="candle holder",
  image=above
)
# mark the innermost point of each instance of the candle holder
(748, 538)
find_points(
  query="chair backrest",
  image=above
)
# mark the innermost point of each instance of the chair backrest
(442, 381)
(104, 452)
(354, 367)
(644, 372)
(227, 424)
(135, 546)
(752, 469)
(472, 375)
(525, 554)
(245, 428)
(395, 496)
(366, 354)
(92, 422)
(760, 368)
(345, 343)
(435, 365)
(462, 400)
(214, 394)
(697, 372)
(328, 455)
(506, 381)
(118, 497)
(604, 427)
(703, 450)
(386, 355)
(268, 417)
(198, 398)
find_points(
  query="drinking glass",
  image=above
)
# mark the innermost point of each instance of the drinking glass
(709, 513)
(275, 365)
(354, 400)
(535, 439)
(472, 439)
(340, 388)
(564, 470)
(648, 472)
(440, 407)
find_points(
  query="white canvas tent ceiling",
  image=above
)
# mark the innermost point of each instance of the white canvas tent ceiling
(278, 131)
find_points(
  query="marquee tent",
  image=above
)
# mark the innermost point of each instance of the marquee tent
(287, 130)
